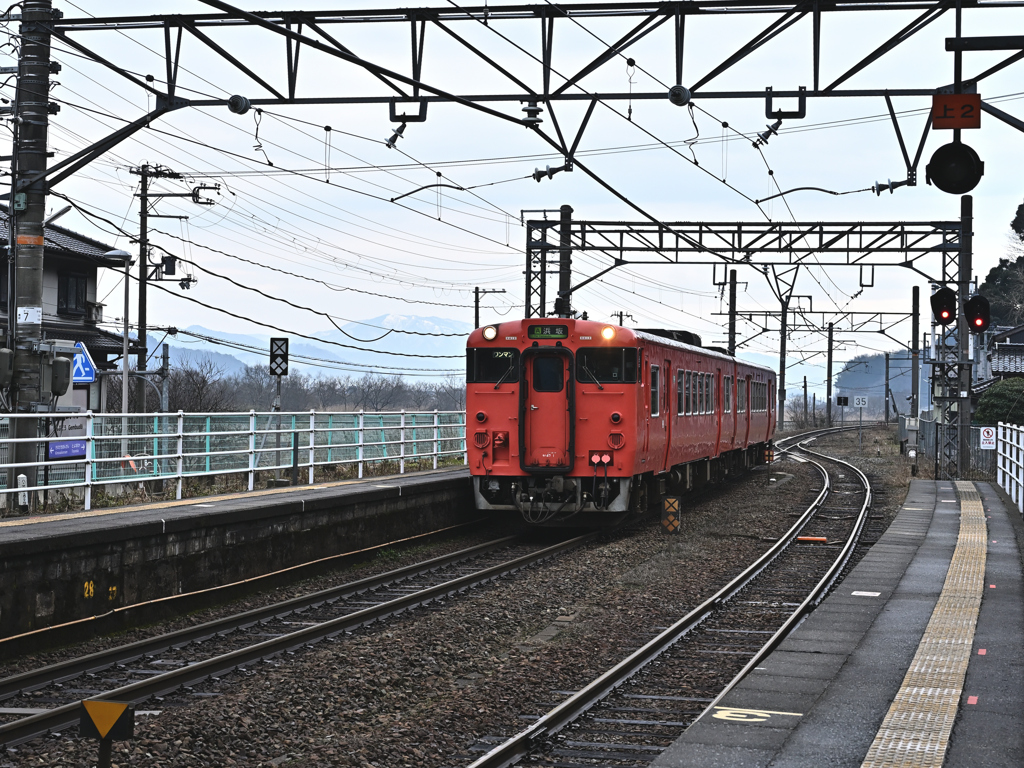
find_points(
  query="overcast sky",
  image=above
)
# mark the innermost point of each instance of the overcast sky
(425, 256)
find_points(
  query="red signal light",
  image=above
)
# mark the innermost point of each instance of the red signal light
(944, 305)
(978, 313)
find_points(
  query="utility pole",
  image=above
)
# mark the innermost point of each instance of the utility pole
(29, 391)
(563, 305)
(782, 363)
(145, 173)
(814, 409)
(477, 293)
(915, 354)
(886, 394)
(622, 317)
(828, 381)
(805, 401)
(732, 312)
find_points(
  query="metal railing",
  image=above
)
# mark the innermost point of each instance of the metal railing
(1010, 456)
(118, 450)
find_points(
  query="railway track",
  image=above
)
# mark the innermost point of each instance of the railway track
(635, 710)
(46, 700)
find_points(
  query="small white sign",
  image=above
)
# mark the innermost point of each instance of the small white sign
(988, 438)
(860, 402)
(30, 315)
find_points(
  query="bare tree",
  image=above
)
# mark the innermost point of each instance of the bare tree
(254, 387)
(795, 417)
(380, 393)
(450, 393)
(421, 396)
(199, 386)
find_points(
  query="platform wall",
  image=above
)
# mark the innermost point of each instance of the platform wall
(53, 579)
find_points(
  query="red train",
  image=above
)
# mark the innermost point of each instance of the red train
(574, 422)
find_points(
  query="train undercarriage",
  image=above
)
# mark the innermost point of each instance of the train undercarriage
(598, 501)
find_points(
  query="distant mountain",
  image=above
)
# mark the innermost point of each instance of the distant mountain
(232, 351)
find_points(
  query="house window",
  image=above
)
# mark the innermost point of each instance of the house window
(71, 294)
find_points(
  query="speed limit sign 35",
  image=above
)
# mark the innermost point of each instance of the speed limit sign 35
(988, 438)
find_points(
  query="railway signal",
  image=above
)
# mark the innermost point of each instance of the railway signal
(944, 305)
(955, 168)
(978, 314)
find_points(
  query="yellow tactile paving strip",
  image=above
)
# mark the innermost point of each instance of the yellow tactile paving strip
(916, 728)
(212, 500)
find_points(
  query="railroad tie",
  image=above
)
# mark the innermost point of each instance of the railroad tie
(917, 726)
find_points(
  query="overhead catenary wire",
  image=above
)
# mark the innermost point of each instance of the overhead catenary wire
(234, 282)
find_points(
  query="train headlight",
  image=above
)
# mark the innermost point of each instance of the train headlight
(607, 333)
(490, 333)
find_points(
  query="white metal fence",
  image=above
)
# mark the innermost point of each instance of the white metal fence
(110, 449)
(1010, 470)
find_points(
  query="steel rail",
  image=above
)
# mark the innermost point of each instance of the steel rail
(820, 589)
(517, 747)
(61, 717)
(66, 670)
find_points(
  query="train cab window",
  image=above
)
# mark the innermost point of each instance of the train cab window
(548, 374)
(655, 390)
(492, 365)
(609, 365)
(741, 395)
(727, 394)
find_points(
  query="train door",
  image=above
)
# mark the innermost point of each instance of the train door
(716, 406)
(666, 414)
(729, 404)
(656, 441)
(546, 410)
(747, 381)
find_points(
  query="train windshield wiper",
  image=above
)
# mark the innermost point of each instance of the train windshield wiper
(591, 374)
(504, 375)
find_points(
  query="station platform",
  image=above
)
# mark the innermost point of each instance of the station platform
(915, 659)
(61, 568)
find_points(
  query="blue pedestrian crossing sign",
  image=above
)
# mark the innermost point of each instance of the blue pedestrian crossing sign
(84, 369)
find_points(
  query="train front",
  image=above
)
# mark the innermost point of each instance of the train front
(551, 408)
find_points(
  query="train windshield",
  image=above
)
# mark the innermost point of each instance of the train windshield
(492, 364)
(608, 365)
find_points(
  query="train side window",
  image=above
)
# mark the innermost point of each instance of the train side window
(727, 392)
(655, 390)
(548, 374)
(687, 397)
(741, 395)
(680, 393)
(708, 394)
(714, 385)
